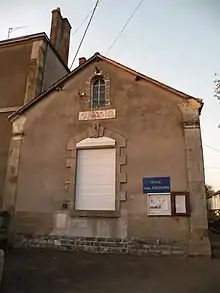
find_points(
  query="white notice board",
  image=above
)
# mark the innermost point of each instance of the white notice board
(159, 204)
(180, 203)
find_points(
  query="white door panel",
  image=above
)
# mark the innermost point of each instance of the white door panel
(95, 180)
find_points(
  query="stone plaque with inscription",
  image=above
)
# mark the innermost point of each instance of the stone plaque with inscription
(97, 114)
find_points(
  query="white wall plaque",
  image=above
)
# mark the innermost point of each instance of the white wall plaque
(97, 114)
(159, 204)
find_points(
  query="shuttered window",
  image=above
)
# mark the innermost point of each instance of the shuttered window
(95, 178)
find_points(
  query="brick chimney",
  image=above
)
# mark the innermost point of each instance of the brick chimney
(82, 60)
(60, 34)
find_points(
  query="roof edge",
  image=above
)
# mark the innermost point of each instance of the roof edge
(101, 57)
(154, 81)
(26, 38)
(217, 192)
(52, 87)
(21, 38)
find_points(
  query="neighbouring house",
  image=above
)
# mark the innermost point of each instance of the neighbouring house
(108, 160)
(28, 66)
(214, 201)
(213, 206)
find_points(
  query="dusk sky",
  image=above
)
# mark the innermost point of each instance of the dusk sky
(174, 41)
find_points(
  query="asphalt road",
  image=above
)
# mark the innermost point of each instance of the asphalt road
(39, 271)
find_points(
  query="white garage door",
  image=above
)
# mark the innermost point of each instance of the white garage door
(95, 179)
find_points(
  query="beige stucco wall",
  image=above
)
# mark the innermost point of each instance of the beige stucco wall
(27, 68)
(45, 68)
(14, 60)
(5, 130)
(14, 64)
(53, 70)
(150, 120)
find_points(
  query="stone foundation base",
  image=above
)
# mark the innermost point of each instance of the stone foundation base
(104, 245)
(200, 248)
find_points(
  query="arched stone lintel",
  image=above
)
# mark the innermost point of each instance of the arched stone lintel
(97, 130)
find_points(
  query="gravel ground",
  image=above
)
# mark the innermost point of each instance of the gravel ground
(39, 271)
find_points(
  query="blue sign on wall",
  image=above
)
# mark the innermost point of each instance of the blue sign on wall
(156, 185)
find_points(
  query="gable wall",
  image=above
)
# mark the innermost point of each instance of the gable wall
(149, 119)
(26, 68)
(14, 64)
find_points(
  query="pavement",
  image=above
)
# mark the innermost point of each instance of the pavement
(41, 270)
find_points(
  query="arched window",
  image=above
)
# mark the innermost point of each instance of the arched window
(98, 93)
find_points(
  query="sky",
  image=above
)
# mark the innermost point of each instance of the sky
(174, 41)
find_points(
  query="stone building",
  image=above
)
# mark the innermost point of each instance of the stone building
(28, 66)
(108, 160)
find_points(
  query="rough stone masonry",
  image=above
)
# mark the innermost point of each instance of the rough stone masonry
(104, 245)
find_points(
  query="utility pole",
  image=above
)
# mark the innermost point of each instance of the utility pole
(12, 29)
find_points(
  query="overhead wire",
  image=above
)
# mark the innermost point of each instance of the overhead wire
(84, 20)
(85, 32)
(213, 168)
(92, 12)
(212, 148)
(124, 27)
